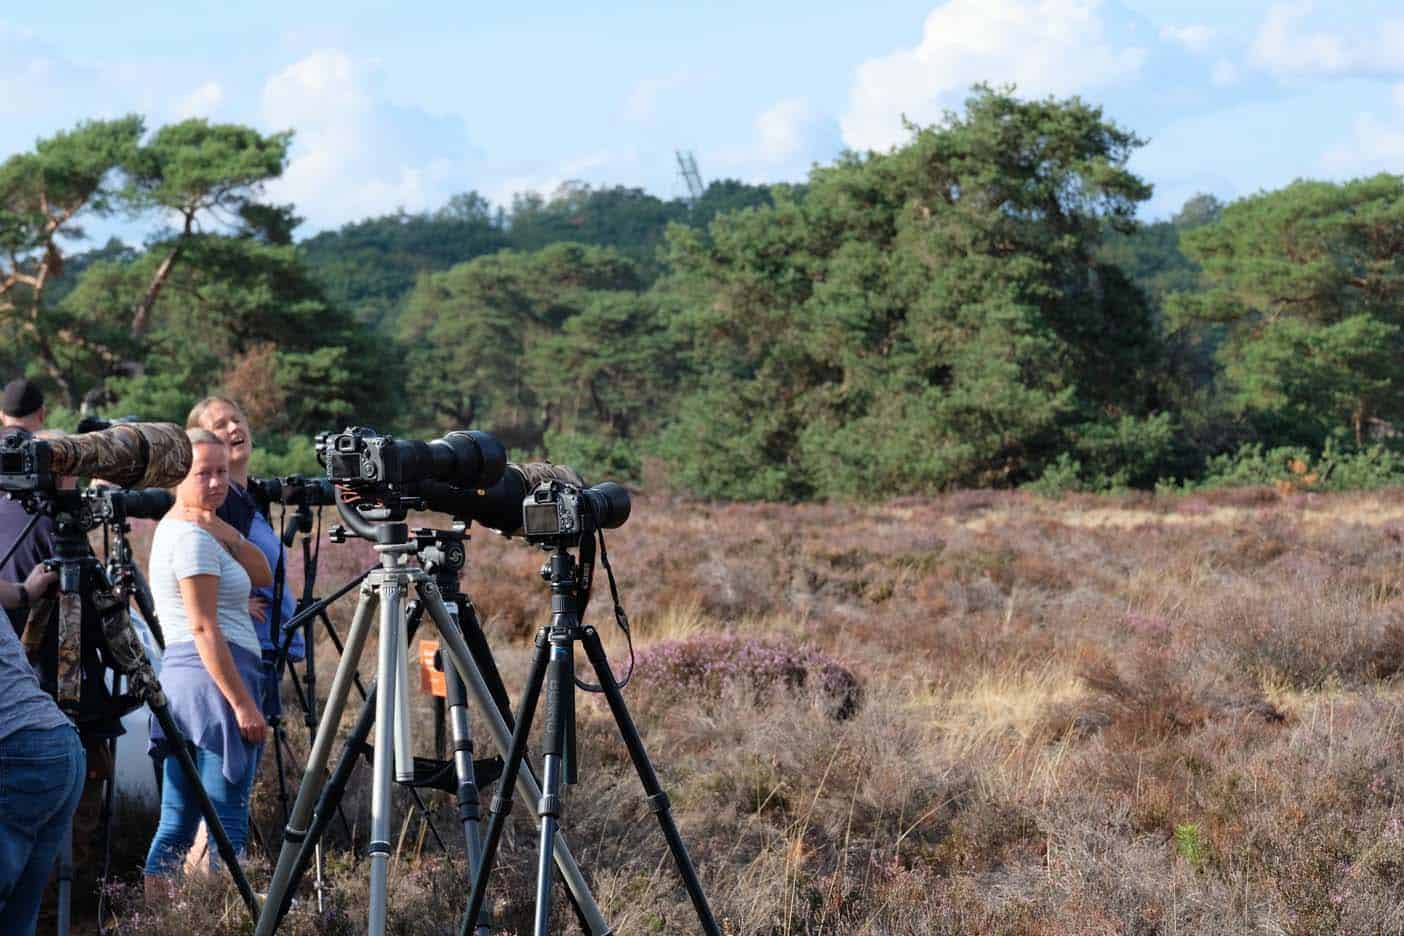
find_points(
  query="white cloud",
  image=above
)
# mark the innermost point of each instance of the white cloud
(787, 130)
(356, 154)
(1224, 74)
(1376, 145)
(788, 138)
(1194, 38)
(1292, 43)
(1043, 46)
(201, 102)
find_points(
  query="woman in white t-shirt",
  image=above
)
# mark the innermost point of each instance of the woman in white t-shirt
(201, 571)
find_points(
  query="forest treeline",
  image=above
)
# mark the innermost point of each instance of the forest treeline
(977, 308)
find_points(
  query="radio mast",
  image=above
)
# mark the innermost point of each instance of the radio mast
(687, 165)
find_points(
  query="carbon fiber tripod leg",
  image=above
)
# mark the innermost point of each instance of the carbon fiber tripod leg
(657, 799)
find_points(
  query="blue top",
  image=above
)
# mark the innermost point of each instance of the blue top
(202, 712)
(241, 512)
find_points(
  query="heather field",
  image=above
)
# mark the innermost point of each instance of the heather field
(980, 713)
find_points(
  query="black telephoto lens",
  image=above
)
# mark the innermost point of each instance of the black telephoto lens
(466, 459)
(609, 502)
(148, 504)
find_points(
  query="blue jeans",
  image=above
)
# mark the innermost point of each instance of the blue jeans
(41, 778)
(180, 811)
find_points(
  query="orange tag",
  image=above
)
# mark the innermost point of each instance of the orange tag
(431, 678)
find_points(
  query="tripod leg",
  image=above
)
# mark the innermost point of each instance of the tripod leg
(469, 811)
(329, 801)
(502, 800)
(276, 723)
(592, 920)
(657, 799)
(387, 671)
(65, 883)
(560, 689)
(317, 759)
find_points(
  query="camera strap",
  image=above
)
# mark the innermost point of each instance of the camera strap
(620, 618)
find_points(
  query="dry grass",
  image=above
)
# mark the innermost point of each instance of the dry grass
(1094, 716)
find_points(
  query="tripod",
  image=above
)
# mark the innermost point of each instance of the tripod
(554, 663)
(77, 565)
(385, 590)
(130, 586)
(308, 611)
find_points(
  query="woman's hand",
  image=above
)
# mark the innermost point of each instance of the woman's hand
(258, 609)
(252, 727)
(213, 524)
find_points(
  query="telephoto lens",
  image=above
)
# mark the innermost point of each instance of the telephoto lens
(129, 455)
(149, 504)
(294, 490)
(364, 457)
(498, 506)
(609, 504)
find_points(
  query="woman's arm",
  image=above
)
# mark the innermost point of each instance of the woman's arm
(254, 562)
(248, 555)
(200, 595)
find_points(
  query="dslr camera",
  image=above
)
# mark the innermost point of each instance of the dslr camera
(25, 464)
(557, 513)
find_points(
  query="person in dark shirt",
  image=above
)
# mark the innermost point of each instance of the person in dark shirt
(22, 407)
(99, 718)
(29, 550)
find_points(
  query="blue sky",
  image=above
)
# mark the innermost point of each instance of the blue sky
(403, 105)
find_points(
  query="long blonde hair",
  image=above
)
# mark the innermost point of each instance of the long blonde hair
(197, 412)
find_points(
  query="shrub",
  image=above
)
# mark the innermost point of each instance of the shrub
(710, 665)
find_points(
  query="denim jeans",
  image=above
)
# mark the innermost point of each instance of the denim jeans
(41, 778)
(180, 811)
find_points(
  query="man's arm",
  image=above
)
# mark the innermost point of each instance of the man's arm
(19, 595)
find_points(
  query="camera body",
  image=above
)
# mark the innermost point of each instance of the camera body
(358, 455)
(551, 515)
(556, 513)
(25, 463)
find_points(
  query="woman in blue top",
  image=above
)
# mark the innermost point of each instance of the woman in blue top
(201, 573)
(226, 419)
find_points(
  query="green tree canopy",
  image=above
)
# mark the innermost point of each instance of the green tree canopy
(1307, 285)
(928, 317)
(472, 332)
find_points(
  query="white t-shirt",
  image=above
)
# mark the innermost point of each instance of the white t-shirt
(181, 549)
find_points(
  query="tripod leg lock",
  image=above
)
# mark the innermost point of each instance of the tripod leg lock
(296, 836)
(501, 804)
(550, 806)
(659, 803)
(378, 848)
